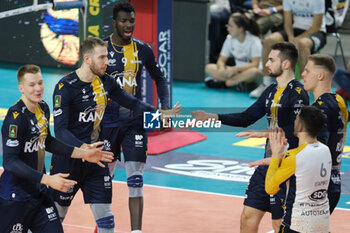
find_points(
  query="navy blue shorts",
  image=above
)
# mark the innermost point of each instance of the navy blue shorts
(132, 140)
(319, 39)
(94, 181)
(257, 198)
(38, 215)
(333, 198)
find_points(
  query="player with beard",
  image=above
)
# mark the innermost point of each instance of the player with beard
(121, 127)
(80, 99)
(280, 103)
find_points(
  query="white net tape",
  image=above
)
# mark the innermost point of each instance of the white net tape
(16, 7)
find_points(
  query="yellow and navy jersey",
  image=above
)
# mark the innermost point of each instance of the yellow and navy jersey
(334, 133)
(79, 107)
(25, 137)
(307, 170)
(280, 105)
(126, 66)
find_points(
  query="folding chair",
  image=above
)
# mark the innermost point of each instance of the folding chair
(335, 16)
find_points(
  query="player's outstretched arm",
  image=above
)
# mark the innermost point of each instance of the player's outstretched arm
(58, 182)
(261, 162)
(254, 133)
(203, 116)
(93, 153)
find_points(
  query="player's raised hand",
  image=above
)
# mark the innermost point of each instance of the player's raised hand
(58, 182)
(167, 113)
(278, 142)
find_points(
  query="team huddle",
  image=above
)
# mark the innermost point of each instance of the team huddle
(98, 109)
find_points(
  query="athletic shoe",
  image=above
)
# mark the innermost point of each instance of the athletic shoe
(212, 83)
(258, 91)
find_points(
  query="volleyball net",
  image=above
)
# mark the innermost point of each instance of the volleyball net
(10, 8)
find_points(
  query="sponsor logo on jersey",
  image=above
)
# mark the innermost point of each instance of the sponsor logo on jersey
(112, 62)
(138, 140)
(107, 181)
(91, 114)
(51, 214)
(34, 144)
(57, 101)
(73, 81)
(15, 114)
(12, 143)
(60, 85)
(111, 53)
(318, 195)
(57, 112)
(298, 89)
(13, 131)
(107, 145)
(17, 228)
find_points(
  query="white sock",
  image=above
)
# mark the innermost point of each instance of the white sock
(136, 231)
(267, 80)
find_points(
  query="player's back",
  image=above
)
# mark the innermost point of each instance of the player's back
(307, 207)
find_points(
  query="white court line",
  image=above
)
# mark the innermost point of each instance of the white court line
(87, 228)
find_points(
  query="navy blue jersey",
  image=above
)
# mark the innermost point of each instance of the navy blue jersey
(333, 134)
(125, 65)
(79, 107)
(280, 105)
(25, 137)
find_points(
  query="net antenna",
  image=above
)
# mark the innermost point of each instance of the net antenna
(36, 6)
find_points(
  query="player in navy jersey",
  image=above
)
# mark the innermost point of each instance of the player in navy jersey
(317, 75)
(281, 103)
(25, 203)
(80, 99)
(127, 58)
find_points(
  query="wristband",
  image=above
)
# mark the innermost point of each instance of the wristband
(273, 9)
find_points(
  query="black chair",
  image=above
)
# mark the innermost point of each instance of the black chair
(334, 20)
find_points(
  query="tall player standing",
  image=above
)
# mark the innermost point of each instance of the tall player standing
(121, 127)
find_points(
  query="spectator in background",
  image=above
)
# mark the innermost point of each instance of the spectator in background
(219, 13)
(268, 14)
(244, 45)
(342, 78)
(304, 26)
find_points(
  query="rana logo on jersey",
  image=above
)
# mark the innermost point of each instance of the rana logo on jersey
(13, 131)
(57, 101)
(15, 114)
(34, 144)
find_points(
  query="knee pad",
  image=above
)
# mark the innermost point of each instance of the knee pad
(62, 211)
(111, 167)
(135, 184)
(103, 216)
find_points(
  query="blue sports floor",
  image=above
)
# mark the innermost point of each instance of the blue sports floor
(216, 165)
